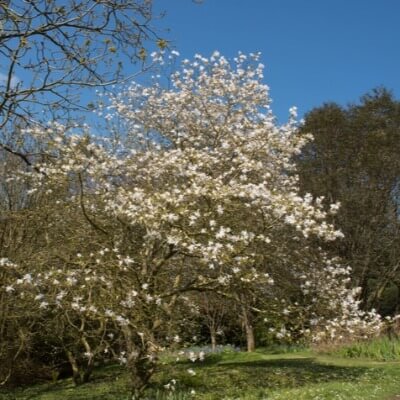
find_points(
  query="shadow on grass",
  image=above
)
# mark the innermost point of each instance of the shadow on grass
(247, 376)
(107, 382)
(298, 368)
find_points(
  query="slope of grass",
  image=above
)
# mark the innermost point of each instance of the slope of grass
(255, 376)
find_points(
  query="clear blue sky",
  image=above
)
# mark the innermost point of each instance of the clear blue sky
(314, 50)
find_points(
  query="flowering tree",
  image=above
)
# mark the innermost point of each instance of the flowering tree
(199, 195)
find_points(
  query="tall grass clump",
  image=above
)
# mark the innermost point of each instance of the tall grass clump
(379, 349)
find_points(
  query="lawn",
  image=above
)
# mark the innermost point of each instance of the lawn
(260, 375)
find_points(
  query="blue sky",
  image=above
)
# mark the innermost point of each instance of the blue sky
(314, 50)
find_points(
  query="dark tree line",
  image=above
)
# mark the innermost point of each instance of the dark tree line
(355, 159)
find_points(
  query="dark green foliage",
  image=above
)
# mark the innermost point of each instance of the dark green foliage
(389, 299)
(355, 159)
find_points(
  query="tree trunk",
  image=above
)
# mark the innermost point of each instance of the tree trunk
(213, 335)
(90, 363)
(141, 371)
(251, 343)
(141, 366)
(87, 373)
(76, 376)
(249, 329)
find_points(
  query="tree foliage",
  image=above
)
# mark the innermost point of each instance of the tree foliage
(354, 160)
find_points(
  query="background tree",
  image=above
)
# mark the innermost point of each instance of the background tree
(216, 314)
(354, 159)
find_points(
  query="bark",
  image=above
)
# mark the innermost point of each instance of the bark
(249, 329)
(141, 370)
(90, 363)
(140, 366)
(76, 376)
(213, 335)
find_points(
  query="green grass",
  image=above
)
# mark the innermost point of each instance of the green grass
(382, 349)
(260, 375)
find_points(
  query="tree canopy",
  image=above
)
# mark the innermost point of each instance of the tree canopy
(354, 160)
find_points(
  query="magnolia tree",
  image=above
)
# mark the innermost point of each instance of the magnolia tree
(199, 194)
